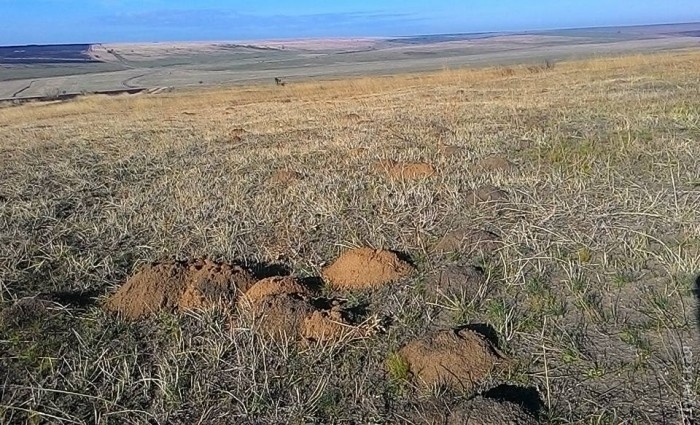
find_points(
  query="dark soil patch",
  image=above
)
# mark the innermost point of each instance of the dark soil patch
(456, 280)
(180, 286)
(28, 310)
(487, 411)
(454, 288)
(479, 410)
(365, 268)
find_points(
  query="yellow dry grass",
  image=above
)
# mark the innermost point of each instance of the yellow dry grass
(212, 105)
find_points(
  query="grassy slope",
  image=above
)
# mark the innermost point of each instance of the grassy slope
(591, 291)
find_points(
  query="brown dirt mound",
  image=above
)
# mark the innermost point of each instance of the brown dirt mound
(493, 164)
(504, 404)
(364, 268)
(456, 359)
(486, 194)
(285, 177)
(478, 411)
(469, 241)
(406, 170)
(278, 285)
(179, 286)
(280, 315)
(282, 307)
(487, 411)
(326, 326)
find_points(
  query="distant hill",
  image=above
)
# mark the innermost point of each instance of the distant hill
(46, 54)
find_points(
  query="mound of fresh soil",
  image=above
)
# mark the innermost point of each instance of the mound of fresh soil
(468, 241)
(486, 194)
(179, 286)
(364, 268)
(487, 411)
(282, 307)
(455, 359)
(277, 285)
(279, 316)
(326, 325)
(285, 177)
(406, 170)
(494, 164)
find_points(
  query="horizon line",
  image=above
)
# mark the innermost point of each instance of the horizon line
(504, 32)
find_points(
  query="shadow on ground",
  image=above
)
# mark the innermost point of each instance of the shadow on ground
(74, 299)
(485, 330)
(46, 306)
(526, 397)
(262, 270)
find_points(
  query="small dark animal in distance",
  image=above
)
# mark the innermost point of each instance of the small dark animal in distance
(279, 81)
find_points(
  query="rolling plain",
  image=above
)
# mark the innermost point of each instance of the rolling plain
(479, 245)
(46, 71)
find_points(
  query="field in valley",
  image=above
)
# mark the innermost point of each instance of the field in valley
(49, 71)
(464, 246)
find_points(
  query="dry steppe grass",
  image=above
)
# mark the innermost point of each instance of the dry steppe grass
(587, 174)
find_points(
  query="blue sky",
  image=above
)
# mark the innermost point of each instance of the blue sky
(65, 21)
